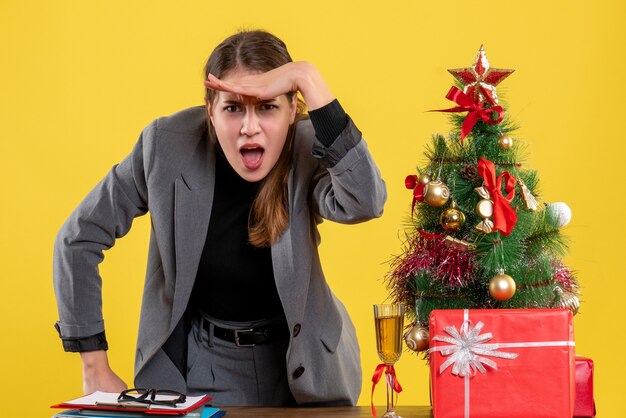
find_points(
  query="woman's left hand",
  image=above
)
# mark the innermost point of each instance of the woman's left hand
(294, 76)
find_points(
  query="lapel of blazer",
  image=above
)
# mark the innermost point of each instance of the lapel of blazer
(193, 201)
(289, 287)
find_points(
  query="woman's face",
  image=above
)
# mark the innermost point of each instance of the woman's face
(251, 132)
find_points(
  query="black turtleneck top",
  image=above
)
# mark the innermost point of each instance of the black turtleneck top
(235, 280)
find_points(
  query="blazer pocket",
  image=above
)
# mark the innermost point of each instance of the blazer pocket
(332, 326)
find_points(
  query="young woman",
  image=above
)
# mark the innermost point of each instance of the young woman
(235, 303)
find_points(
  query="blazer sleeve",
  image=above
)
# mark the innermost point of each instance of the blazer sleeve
(347, 185)
(105, 214)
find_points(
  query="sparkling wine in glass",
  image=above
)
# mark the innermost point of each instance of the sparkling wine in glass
(389, 322)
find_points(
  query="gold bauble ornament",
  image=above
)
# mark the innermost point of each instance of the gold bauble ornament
(436, 193)
(505, 142)
(417, 338)
(502, 287)
(452, 219)
(424, 179)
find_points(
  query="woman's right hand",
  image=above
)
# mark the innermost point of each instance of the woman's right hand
(97, 374)
(299, 76)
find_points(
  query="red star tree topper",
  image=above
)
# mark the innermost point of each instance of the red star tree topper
(480, 80)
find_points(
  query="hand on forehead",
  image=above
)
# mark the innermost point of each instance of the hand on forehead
(262, 85)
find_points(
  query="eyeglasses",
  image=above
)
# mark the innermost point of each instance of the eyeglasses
(152, 396)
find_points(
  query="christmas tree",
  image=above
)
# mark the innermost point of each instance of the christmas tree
(479, 236)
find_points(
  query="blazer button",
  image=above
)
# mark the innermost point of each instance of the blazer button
(298, 372)
(296, 330)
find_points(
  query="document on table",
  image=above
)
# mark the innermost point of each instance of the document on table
(108, 400)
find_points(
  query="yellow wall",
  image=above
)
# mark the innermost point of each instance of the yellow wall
(79, 80)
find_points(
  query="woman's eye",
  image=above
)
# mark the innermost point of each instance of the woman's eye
(267, 106)
(232, 108)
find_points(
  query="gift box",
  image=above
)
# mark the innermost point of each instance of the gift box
(513, 363)
(584, 406)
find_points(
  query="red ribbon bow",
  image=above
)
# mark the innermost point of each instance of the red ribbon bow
(418, 189)
(504, 216)
(476, 111)
(390, 372)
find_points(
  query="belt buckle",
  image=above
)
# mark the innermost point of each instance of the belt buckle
(237, 343)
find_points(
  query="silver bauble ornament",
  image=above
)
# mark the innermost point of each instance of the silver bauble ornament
(561, 212)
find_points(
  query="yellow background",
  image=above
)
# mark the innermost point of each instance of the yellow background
(80, 79)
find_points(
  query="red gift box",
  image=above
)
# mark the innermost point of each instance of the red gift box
(584, 406)
(513, 363)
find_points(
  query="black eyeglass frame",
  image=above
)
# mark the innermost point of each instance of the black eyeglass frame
(148, 396)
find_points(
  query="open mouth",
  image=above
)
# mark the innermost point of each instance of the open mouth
(252, 156)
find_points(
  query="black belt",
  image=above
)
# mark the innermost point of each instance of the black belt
(249, 337)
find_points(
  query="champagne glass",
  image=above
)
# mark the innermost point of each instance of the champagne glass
(389, 322)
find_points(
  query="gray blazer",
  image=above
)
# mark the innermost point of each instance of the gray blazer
(171, 173)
